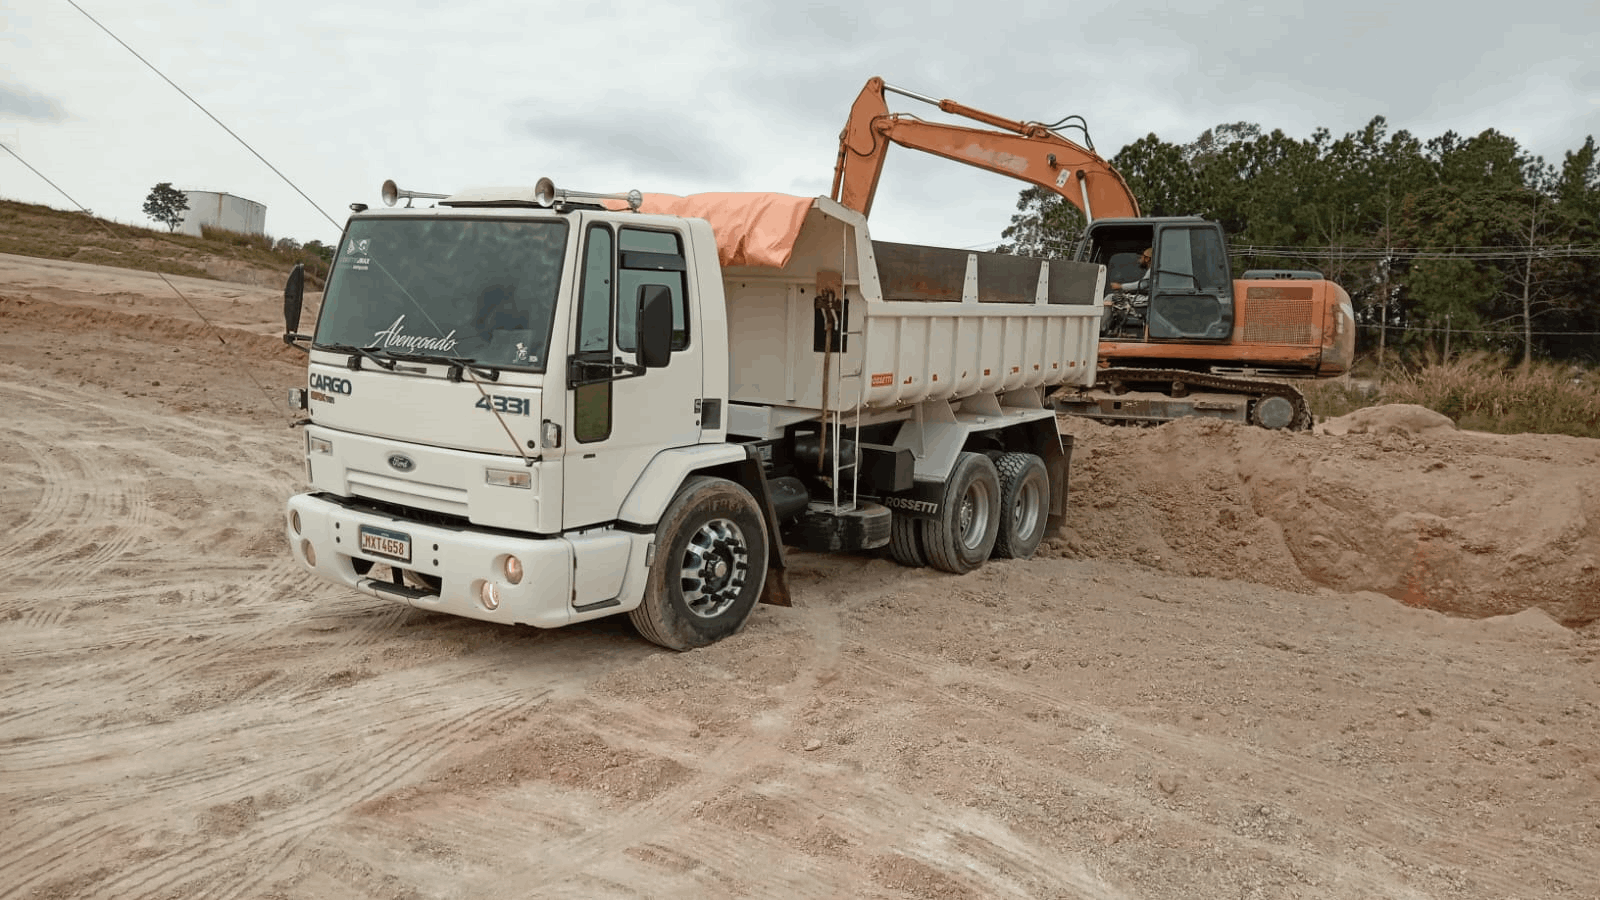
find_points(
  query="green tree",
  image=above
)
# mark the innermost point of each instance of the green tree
(1044, 226)
(1469, 233)
(166, 204)
(320, 250)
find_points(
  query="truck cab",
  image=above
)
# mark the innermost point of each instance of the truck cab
(450, 385)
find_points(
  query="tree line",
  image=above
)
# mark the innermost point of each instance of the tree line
(1452, 243)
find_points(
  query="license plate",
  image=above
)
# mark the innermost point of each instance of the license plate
(383, 542)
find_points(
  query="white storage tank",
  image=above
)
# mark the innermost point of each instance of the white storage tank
(223, 211)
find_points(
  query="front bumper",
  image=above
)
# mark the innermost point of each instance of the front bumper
(461, 561)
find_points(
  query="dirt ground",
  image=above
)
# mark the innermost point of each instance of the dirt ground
(1360, 663)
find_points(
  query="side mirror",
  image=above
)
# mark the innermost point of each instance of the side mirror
(294, 297)
(655, 325)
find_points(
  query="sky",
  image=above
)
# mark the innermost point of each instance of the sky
(724, 95)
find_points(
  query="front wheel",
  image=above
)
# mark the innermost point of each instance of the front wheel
(709, 568)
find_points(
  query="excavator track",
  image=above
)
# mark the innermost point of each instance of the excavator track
(1153, 396)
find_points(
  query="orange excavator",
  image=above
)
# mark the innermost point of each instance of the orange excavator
(1179, 336)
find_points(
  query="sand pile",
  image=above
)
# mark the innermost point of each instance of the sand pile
(1390, 499)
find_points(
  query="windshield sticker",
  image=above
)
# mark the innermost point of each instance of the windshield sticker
(358, 248)
(394, 336)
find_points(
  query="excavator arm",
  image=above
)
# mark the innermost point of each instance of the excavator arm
(1027, 151)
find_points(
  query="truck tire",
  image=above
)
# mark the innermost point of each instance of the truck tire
(709, 567)
(905, 541)
(961, 538)
(1024, 504)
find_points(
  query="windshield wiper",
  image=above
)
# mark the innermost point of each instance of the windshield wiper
(356, 353)
(456, 364)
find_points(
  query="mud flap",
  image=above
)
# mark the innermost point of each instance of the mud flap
(776, 588)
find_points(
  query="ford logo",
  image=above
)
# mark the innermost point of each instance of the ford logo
(401, 462)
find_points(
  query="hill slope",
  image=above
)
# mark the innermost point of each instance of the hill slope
(29, 229)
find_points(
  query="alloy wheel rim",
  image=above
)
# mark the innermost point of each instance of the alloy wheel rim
(715, 567)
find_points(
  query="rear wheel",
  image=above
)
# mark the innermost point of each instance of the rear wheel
(963, 534)
(905, 540)
(709, 568)
(1024, 504)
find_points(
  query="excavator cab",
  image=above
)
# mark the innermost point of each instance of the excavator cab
(1190, 296)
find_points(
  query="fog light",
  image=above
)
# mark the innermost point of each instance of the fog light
(294, 520)
(310, 553)
(488, 594)
(513, 569)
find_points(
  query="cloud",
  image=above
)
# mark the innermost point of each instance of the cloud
(648, 141)
(18, 102)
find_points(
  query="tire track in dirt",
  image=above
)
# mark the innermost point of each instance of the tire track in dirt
(1312, 785)
(960, 841)
(1221, 754)
(279, 836)
(34, 534)
(561, 864)
(1414, 817)
(342, 783)
(54, 498)
(92, 513)
(992, 697)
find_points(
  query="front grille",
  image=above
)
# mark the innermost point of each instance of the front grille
(415, 494)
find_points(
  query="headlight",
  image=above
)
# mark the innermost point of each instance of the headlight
(318, 445)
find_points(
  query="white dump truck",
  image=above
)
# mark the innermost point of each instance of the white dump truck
(537, 406)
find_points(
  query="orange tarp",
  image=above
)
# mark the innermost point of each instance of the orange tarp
(752, 229)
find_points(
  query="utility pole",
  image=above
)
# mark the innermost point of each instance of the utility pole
(1383, 303)
(1383, 306)
(1527, 286)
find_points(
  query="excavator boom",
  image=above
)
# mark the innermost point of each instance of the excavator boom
(1027, 151)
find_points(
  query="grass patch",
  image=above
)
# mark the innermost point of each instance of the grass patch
(44, 232)
(1481, 392)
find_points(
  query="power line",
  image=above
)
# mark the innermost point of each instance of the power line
(1516, 333)
(101, 224)
(1463, 252)
(1475, 254)
(42, 177)
(186, 96)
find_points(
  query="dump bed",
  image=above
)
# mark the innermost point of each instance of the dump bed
(918, 323)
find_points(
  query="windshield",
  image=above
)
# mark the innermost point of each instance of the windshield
(476, 289)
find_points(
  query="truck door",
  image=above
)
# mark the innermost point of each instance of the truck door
(618, 416)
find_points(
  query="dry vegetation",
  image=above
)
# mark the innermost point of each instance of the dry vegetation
(1480, 392)
(30, 229)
